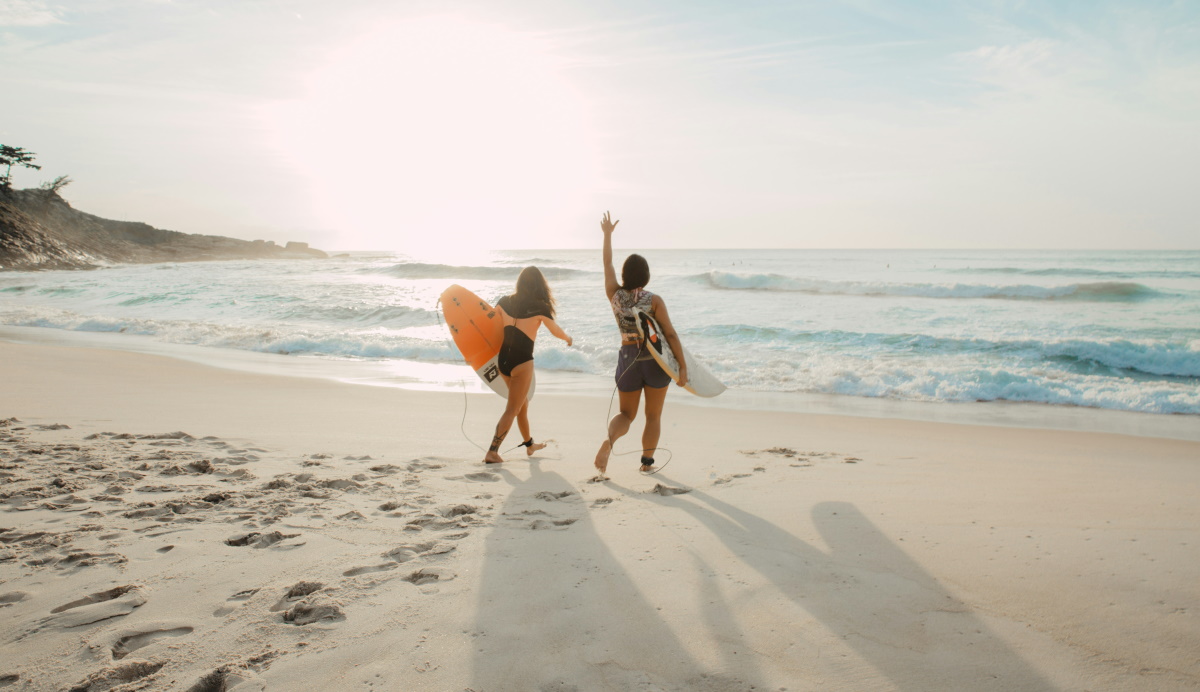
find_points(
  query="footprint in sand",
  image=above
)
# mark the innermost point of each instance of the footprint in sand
(314, 609)
(458, 511)
(87, 559)
(7, 599)
(427, 549)
(666, 490)
(296, 592)
(237, 597)
(482, 477)
(102, 605)
(403, 554)
(227, 678)
(369, 569)
(305, 604)
(542, 524)
(178, 435)
(427, 575)
(118, 676)
(259, 540)
(418, 465)
(132, 642)
(551, 497)
(98, 597)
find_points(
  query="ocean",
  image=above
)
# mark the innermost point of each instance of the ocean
(1101, 330)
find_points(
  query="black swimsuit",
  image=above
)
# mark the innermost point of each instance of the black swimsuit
(517, 347)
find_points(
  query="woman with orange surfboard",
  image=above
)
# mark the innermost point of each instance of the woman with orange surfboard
(522, 313)
(638, 374)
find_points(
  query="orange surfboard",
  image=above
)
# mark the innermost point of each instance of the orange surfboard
(478, 333)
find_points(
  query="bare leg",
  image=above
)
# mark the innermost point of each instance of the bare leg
(523, 425)
(518, 389)
(655, 398)
(618, 426)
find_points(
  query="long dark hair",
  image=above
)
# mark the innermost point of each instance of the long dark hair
(635, 273)
(533, 293)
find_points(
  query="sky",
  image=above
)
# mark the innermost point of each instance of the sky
(438, 127)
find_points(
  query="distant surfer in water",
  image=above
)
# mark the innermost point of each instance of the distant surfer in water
(637, 373)
(522, 313)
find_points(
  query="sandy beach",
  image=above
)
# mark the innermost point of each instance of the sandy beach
(171, 526)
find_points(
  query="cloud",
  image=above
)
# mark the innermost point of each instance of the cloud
(27, 13)
(1040, 66)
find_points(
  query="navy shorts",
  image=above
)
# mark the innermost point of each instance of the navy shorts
(633, 374)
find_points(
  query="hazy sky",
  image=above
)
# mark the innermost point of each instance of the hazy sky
(422, 126)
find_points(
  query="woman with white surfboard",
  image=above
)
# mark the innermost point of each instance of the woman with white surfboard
(638, 374)
(523, 313)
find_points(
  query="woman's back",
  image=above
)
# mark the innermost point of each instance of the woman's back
(623, 302)
(523, 313)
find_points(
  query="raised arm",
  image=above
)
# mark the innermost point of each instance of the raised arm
(610, 275)
(556, 330)
(659, 307)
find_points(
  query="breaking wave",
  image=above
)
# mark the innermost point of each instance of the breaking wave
(1156, 358)
(419, 270)
(1096, 291)
(1081, 271)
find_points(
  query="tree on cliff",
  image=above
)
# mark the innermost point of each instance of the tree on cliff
(14, 156)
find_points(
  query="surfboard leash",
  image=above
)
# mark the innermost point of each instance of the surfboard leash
(462, 424)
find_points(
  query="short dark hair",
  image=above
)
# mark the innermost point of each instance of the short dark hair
(635, 273)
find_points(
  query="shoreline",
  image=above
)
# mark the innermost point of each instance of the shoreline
(456, 378)
(299, 533)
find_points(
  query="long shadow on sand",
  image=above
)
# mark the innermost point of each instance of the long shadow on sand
(558, 613)
(869, 593)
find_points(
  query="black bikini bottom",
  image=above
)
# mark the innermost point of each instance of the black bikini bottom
(516, 349)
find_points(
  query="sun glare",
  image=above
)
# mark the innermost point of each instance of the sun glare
(428, 135)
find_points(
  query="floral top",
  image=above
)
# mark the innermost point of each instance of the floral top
(623, 303)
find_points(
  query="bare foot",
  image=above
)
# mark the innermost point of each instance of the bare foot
(646, 468)
(535, 447)
(602, 457)
(493, 458)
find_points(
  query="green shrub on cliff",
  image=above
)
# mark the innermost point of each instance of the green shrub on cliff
(14, 156)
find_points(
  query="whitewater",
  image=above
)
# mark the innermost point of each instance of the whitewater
(1109, 330)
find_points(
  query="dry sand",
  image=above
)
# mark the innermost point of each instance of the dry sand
(167, 525)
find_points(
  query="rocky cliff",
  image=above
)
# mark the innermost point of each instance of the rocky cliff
(40, 230)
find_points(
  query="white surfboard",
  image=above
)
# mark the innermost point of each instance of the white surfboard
(701, 381)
